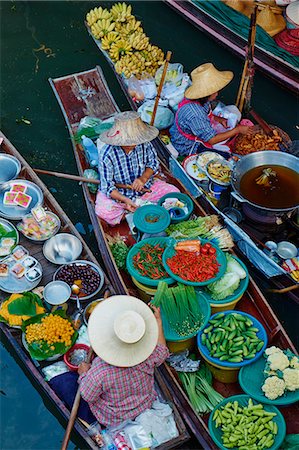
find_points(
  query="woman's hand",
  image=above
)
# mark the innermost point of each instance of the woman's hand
(130, 205)
(222, 121)
(138, 184)
(157, 313)
(84, 367)
(244, 129)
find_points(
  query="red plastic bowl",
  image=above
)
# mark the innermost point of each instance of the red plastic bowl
(66, 356)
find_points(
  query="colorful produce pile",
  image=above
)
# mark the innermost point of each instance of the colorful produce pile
(20, 307)
(246, 427)
(181, 308)
(231, 337)
(281, 372)
(229, 283)
(148, 261)
(196, 263)
(123, 38)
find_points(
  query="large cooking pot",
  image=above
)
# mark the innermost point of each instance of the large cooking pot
(261, 159)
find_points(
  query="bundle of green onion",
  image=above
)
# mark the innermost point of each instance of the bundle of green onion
(180, 306)
(198, 386)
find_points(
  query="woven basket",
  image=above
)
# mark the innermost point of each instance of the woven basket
(242, 139)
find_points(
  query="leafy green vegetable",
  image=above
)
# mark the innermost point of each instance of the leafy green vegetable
(25, 305)
(224, 287)
(234, 267)
(119, 250)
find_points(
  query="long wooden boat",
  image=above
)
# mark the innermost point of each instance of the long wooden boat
(246, 235)
(270, 64)
(69, 91)
(13, 336)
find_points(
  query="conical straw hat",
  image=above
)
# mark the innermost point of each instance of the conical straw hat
(270, 22)
(206, 80)
(123, 331)
(236, 4)
(129, 129)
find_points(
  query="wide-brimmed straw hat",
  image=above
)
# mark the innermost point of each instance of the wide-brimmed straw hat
(270, 22)
(206, 80)
(129, 129)
(123, 331)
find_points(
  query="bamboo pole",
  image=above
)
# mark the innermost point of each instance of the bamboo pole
(168, 56)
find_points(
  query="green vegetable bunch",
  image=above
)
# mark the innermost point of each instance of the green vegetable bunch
(119, 250)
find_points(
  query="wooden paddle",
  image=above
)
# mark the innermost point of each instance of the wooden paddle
(69, 176)
(284, 290)
(262, 123)
(168, 56)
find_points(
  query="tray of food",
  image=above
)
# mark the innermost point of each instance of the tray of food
(19, 272)
(259, 141)
(86, 275)
(39, 230)
(193, 169)
(18, 197)
(219, 171)
(9, 238)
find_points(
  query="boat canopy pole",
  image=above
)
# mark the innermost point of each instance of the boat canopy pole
(245, 88)
(168, 56)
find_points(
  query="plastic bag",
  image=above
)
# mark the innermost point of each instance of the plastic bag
(135, 89)
(137, 436)
(148, 87)
(229, 112)
(177, 96)
(164, 116)
(174, 73)
(92, 127)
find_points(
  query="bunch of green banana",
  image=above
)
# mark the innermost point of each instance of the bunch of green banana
(138, 41)
(109, 39)
(119, 49)
(97, 14)
(121, 12)
(101, 28)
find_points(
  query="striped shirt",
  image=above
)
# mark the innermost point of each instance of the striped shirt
(116, 166)
(192, 119)
(115, 394)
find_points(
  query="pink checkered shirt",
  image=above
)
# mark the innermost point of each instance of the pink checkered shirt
(115, 394)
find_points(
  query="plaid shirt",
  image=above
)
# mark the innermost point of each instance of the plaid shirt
(116, 166)
(192, 119)
(115, 394)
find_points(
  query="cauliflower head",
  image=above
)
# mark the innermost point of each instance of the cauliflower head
(278, 361)
(273, 387)
(294, 362)
(291, 379)
(271, 350)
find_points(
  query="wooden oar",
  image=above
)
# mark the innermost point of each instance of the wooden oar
(284, 290)
(69, 176)
(262, 123)
(168, 56)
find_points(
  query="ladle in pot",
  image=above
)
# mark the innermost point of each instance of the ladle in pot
(77, 316)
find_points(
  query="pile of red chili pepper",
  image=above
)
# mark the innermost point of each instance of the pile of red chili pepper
(148, 261)
(195, 266)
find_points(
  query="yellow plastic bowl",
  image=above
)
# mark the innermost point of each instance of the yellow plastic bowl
(179, 346)
(216, 307)
(146, 293)
(223, 374)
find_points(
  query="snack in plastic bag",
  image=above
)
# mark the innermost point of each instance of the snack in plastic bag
(174, 73)
(135, 90)
(93, 175)
(164, 116)
(92, 127)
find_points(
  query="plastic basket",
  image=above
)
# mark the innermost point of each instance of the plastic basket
(251, 379)
(261, 334)
(151, 219)
(170, 251)
(134, 272)
(172, 336)
(184, 199)
(216, 433)
(238, 292)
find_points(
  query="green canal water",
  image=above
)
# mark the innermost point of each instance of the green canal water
(27, 420)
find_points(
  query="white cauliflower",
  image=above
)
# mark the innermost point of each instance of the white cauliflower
(294, 362)
(278, 361)
(273, 387)
(271, 350)
(291, 379)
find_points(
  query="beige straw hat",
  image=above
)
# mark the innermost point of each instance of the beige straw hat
(206, 80)
(270, 22)
(129, 129)
(123, 331)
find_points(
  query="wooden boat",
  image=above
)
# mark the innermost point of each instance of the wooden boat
(69, 91)
(274, 66)
(250, 233)
(13, 335)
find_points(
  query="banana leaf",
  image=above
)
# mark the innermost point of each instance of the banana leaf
(25, 305)
(41, 350)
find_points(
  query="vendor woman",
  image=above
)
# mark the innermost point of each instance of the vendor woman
(193, 129)
(129, 160)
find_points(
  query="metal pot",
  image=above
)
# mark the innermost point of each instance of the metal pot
(257, 159)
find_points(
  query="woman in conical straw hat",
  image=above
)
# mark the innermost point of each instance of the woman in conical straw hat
(127, 337)
(194, 126)
(129, 159)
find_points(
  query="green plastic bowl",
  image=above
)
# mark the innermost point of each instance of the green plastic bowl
(251, 379)
(184, 199)
(216, 433)
(170, 251)
(151, 219)
(135, 273)
(238, 292)
(172, 336)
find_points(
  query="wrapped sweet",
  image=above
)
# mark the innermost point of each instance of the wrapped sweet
(39, 230)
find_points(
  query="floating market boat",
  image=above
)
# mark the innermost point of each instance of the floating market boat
(13, 335)
(228, 28)
(70, 92)
(251, 232)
